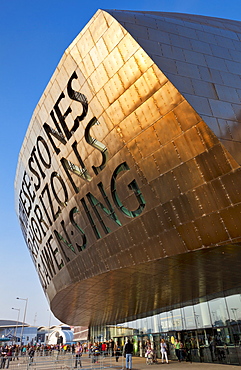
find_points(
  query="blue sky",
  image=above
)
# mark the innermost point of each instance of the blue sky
(33, 37)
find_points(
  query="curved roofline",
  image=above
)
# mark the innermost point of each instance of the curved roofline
(190, 17)
(10, 323)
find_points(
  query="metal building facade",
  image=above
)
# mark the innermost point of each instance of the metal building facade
(128, 181)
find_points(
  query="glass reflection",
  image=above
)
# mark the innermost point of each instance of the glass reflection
(164, 322)
(216, 320)
(190, 319)
(218, 311)
(210, 331)
(234, 309)
(202, 315)
(177, 319)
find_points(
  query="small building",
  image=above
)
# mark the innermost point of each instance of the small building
(17, 332)
(57, 334)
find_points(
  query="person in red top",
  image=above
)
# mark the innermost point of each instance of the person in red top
(104, 348)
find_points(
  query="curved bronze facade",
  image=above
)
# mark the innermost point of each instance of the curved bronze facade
(127, 187)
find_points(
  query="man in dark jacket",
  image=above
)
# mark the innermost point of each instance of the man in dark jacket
(128, 351)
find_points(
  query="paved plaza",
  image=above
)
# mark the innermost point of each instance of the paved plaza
(67, 362)
(140, 364)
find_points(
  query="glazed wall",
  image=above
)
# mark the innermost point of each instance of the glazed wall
(210, 330)
(217, 313)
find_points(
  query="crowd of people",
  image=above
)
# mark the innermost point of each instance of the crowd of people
(96, 349)
(14, 352)
(150, 352)
(106, 348)
(183, 352)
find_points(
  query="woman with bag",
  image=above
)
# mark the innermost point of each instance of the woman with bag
(164, 350)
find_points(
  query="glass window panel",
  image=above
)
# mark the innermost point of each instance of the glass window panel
(171, 323)
(149, 325)
(202, 315)
(234, 310)
(189, 317)
(234, 307)
(177, 319)
(144, 325)
(218, 312)
(139, 325)
(155, 324)
(163, 322)
(131, 324)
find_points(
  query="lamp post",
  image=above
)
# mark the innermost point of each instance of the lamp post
(49, 326)
(26, 302)
(15, 334)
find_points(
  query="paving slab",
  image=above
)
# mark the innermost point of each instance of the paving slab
(140, 364)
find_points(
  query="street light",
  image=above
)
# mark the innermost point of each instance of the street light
(49, 326)
(15, 334)
(26, 302)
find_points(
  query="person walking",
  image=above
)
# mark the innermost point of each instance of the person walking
(31, 352)
(149, 355)
(117, 351)
(177, 346)
(4, 351)
(78, 354)
(163, 346)
(128, 351)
